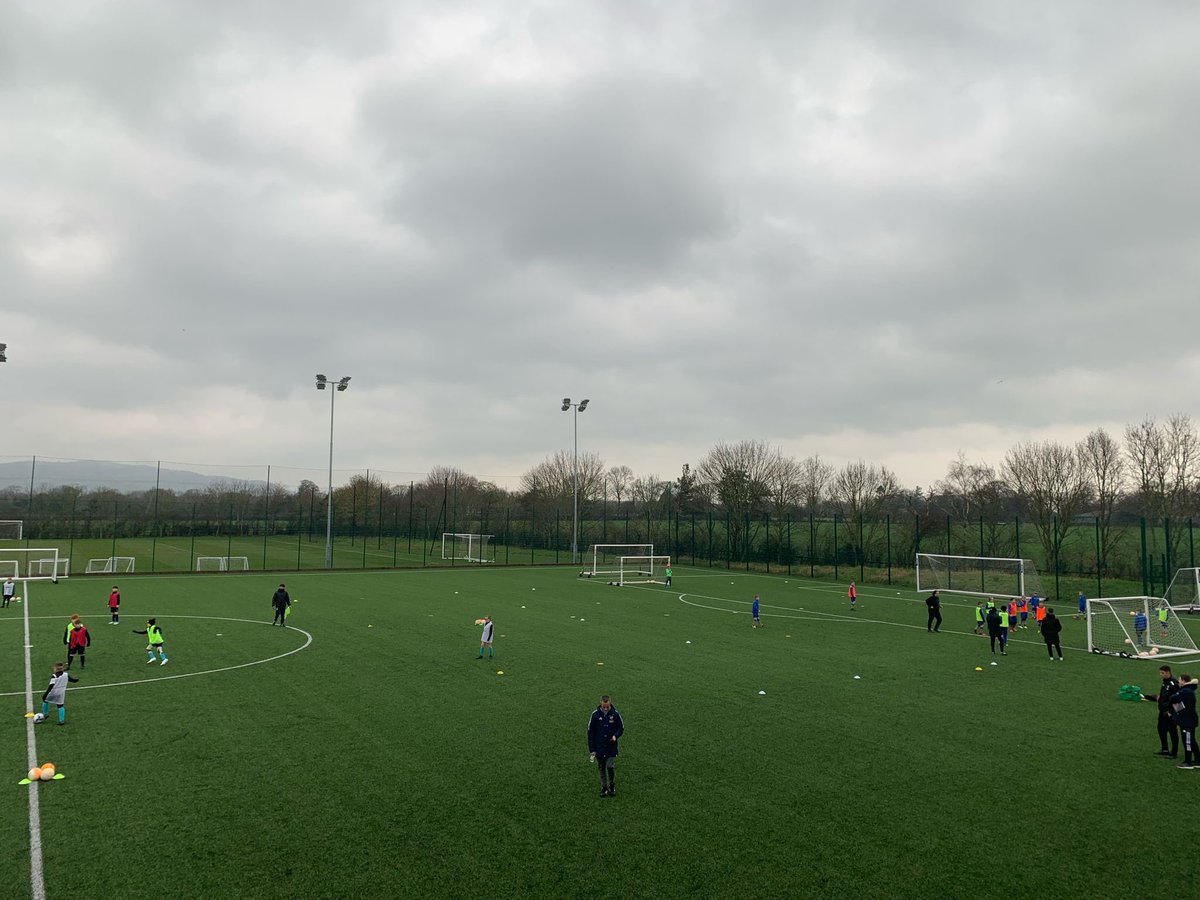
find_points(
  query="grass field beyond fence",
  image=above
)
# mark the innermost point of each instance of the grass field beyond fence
(384, 759)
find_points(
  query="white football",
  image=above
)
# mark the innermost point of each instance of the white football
(39, 717)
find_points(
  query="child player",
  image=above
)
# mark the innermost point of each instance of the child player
(1082, 606)
(78, 639)
(754, 613)
(485, 639)
(1012, 616)
(114, 605)
(56, 693)
(1023, 611)
(979, 622)
(154, 641)
(853, 595)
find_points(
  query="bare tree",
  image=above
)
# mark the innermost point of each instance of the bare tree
(618, 480)
(1166, 464)
(739, 476)
(815, 475)
(861, 493)
(647, 491)
(786, 484)
(1104, 469)
(961, 493)
(553, 479)
(1050, 483)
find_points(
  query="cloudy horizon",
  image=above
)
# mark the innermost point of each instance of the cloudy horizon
(852, 230)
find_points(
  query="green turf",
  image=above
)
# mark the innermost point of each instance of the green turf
(386, 760)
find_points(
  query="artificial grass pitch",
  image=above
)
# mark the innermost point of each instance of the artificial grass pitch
(386, 759)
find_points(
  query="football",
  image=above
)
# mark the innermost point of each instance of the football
(39, 717)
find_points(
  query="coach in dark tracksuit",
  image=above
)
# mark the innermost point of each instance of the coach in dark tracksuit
(281, 601)
(995, 631)
(934, 602)
(1183, 705)
(1166, 724)
(1051, 628)
(604, 730)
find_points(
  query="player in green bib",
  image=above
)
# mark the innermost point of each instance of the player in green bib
(154, 642)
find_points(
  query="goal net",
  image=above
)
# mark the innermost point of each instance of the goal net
(1183, 594)
(606, 558)
(471, 547)
(988, 576)
(12, 529)
(1136, 627)
(640, 569)
(222, 564)
(105, 564)
(38, 563)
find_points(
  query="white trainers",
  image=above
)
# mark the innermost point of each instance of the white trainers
(164, 662)
(150, 660)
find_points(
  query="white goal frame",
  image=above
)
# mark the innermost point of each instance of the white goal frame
(640, 569)
(606, 558)
(1000, 576)
(477, 547)
(224, 563)
(39, 563)
(1183, 593)
(20, 529)
(1112, 631)
(109, 564)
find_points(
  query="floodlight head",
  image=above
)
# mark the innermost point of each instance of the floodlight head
(344, 383)
(583, 405)
(321, 382)
(566, 404)
(3, 347)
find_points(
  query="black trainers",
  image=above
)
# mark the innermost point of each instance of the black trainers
(1163, 753)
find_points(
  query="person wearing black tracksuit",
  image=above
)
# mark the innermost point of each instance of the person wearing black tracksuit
(995, 631)
(934, 602)
(604, 730)
(1183, 705)
(1166, 724)
(1051, 628)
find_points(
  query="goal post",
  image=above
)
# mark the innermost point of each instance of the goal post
(12, 529)
(1183, 594)
(1136, 627)
(476, 548)
(978, 576)
(641, 569)
(222, 564)
(107, 564)
(38, 563)
(606, 558)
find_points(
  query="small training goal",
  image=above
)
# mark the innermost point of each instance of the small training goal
(606, 558)
(1136, 627)
(476, 548)
(106, 564)
(38, 563)
(222, 564)
(978, 576)
(640, 569)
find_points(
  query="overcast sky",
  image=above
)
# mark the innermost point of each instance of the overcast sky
(877, 230)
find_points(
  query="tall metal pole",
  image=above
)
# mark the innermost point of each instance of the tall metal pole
(329, 499)
(577, 408)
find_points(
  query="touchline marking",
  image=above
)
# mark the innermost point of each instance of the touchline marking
(37, 880)
(86, 687)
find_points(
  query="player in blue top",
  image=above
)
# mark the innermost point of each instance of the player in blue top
(1139, 627)
(1082, 606)
(754, 612)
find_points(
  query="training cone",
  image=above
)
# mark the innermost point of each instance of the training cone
(979, 668)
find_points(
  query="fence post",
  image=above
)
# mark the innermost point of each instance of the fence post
(1145, 573)
(888, 526)
(862, 552)
(1099, 562)
(835, 547)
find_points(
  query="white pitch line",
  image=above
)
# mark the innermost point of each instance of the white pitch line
(37, 881)
(257, 662)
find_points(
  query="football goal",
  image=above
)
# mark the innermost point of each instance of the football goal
(1183, 594)
(987, 576)
(12, 529)
(1138, 627)
(38, 563)
(471, 547)
(106, 564)
(222, 564)
(640, 569)
(606, 558)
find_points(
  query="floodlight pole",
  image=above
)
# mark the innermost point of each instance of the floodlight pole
(341, 385)
(579, 407)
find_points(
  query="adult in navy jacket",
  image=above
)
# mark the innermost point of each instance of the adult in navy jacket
(604, 731)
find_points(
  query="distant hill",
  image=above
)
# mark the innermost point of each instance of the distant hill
(92, 474)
